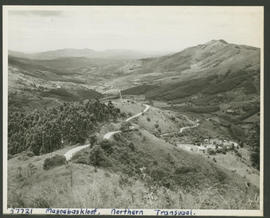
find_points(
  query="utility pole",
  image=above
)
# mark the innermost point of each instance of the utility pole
(69, 167)
(50, 144)
(120, 94)
(43, 141)
(71, 179)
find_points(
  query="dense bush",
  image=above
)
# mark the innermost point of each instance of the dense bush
(206, 109)
(45, 131)
(54, 161)
(226, 84)
(254, 141)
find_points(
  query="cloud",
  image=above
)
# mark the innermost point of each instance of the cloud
(39, 13)
(136, 28)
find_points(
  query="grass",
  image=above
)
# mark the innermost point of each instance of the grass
(106, 189)
(139, 90)
(136, 170)
(171, 169)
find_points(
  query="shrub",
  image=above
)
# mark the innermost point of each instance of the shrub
(125, 126)
(81, 157)
(155, 163)
(117, 136)
(148, 119)
(211, 151)
(54, 161)
(97, 157)
(106, 174)
(106, 146)
(255, 159)
(123, 181)
(30, 154)
(183, 170)
(131, 146)
(237, 153)
(18, 200)
(206, 109)
(31, 168)
(173, 118)
(41, 202)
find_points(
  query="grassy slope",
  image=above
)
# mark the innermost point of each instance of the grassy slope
(173, 177)
(154, 119)
(210, 85)
(210, 186)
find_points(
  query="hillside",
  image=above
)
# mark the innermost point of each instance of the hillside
(214, 67)
(176, 131)
(33, 83)
(217, 82)
(133, 169)
(216, 54)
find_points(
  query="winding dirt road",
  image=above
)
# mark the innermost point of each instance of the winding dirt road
(195, 124)
(189, 127)
(139, 114)
(110, 134)
(68, 155)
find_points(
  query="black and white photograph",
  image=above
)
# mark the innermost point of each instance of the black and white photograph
(133, 110)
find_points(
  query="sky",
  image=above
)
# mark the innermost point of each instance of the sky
(140, 28)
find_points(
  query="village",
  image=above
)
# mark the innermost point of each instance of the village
(211, 146)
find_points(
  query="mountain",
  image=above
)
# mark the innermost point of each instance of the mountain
(87, 53)
(215, 57)
(211, 68)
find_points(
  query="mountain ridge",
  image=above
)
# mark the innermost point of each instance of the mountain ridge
(85, 52)
(211, 68)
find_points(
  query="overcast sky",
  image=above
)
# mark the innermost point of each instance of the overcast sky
(33, 29)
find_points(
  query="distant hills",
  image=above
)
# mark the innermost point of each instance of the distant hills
(214, 68)
(86, 53)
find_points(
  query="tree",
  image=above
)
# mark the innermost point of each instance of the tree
(92, 140)
(97, 156)
(44, 130)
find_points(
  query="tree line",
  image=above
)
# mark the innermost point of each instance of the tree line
(43, 131)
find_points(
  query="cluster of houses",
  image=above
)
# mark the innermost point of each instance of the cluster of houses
(212, 146)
